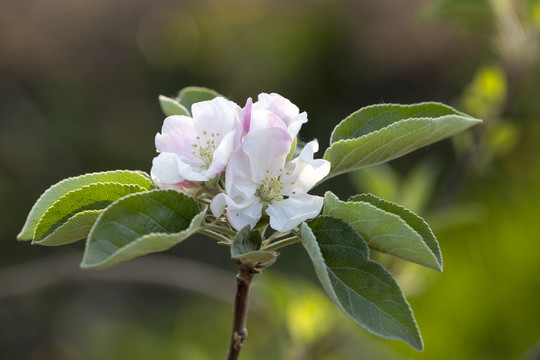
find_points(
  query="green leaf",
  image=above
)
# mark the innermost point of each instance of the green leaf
(363, 289)
(387, 227)
(88, 198)
(171, 106)
(246, 245)
(194, 94)
(139, 224)
(55, 192)
(380, 133)
(414, 221)
(75, 228)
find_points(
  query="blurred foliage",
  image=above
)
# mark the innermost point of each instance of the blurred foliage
(78, 93)
(473, 15)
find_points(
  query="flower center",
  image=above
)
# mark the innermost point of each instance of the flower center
(205, 147)
(270, 189)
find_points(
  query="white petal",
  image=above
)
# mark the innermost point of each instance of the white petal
(216, 116)
(294, 126)
(240, 215)
(217, 206)
(222, 154)
(285, 215)
(238, 181)
(165, 169)
(262, 119)
(284, 109)
(267, 150)
(305, 172)
(177, 135)
(169, 169)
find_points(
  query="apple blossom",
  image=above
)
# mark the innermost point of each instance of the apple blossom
(258, 179)
(244, 161)
(272, 110)
(196, 149)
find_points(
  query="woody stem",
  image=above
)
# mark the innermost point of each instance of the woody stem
(243, 282)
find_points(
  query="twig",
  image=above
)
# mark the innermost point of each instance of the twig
(245, 275)
(243, 282)
(220, 229)
(281, 243)
(219, 237)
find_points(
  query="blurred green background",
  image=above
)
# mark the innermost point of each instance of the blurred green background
(79, 82)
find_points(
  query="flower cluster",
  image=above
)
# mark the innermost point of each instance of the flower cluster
(250, 152)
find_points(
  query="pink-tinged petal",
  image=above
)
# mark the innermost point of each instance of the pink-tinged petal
(217, 116)
(222, 154)
(287, 214)
(187, 187)
(284, 109)
(246, 115)
(247, 213)
(263, 119)
(198, 148)
(170, 169)
(304, 172)
(279, 105)
(177, 135)
(267, 150)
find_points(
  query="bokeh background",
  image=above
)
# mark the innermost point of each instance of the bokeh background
(79, 81)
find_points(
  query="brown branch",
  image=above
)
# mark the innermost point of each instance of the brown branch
(245, 275)
(241, 302)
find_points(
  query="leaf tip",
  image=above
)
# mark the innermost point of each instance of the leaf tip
(417, 344)
(22, 236)
(85, 264)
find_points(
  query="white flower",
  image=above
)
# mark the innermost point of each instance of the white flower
(196, 149)
(258, 179)
(272, 110)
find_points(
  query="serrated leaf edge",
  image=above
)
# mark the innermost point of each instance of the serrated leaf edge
(198, 88)
(69, 193)
(438, 255)
(405, 224)
(43, 241)
(340, 124)
(199, 217)
(335, 299)
(402, 152)
(24, 228)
